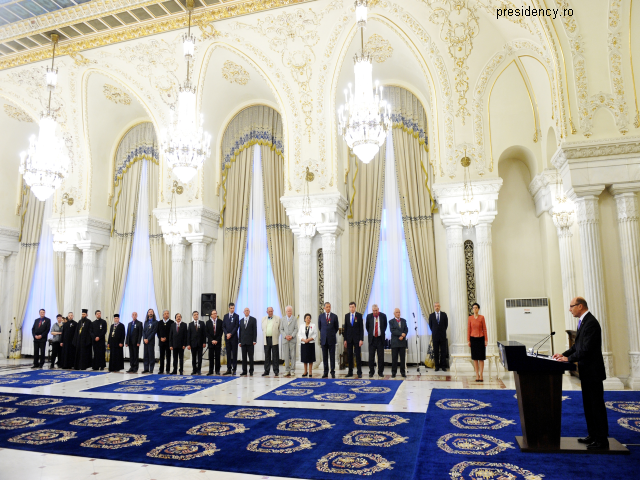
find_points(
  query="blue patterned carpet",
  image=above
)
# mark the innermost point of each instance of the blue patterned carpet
(331, 390)
(471, 435)
(176, 385)
(288, 442)
(40, 378)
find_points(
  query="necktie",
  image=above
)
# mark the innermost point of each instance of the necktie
(375, 330)
(196, 325)
(40, 324)
(579, 323)
(214, 327)
(352, 319)
(438, 317)
(327, 318)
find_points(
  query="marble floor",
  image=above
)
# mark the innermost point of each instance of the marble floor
(412, 396)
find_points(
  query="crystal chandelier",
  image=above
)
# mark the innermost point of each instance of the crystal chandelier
(365, 118)
(469, 209)
(185, 145)
(173, 236)
(562, 210)
(59, 238)
(306, 222)
(45, 164)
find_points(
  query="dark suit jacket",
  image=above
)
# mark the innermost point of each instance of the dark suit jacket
(248, 332)
(150, 330)
(178, 336)
(134, 333)
(164, 330)
(210, 335)
(356, 333)
(98, 329)
(396, 331)
(196, 338)
(438, 331)
(587, 350)
(382, 325)
(117, 338)
(43, 329)
(230, 325)
(329, 330)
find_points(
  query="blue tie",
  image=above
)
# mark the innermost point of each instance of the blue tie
(352, 319)
(579, 323)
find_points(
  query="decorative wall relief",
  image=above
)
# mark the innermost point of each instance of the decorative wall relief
(17, 113)
(470, 270)
(320, 282)
(234, 73)
(116, 95)
(379, 48)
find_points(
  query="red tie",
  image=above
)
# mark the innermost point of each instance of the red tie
(375, 331)
(214, 327)
(327, 318)
(40, 324)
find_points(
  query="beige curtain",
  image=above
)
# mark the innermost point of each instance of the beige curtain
(366, 184)
(31, 213)
(58, 275)
(237, 191)
(279, 235)
(416, 203)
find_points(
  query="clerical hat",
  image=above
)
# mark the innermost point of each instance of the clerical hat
(85, 310)
(116, 315)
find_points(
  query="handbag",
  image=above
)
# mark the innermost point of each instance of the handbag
(429, 361)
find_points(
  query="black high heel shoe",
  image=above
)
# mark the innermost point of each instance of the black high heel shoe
(304, 374)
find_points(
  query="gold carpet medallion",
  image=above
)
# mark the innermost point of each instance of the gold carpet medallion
(371, 438)
(187, 412)
(632, 423)
(6, 398)
(181, 450)
(379, 420)
(43, 437)
(624, 407)
(135, 407)
(353, 463)
(353, 383)
(64, 410)
(134, 389)
(176, 377)
(304, 425)
(279, 444)
(480, 420)
(308, 384)
(53, 373)
(217, 429)
(371, 390)
(69, 376)
(294, 392)
(113, 441)
(14, 376)
(472, 444)
(9, 381)
(99, 421)
(19, 422)
(461, 404)
(44, 381)
(252, 413)
(335, 397)
(39, 402)
(183, 388)
(205, 381)
(491, 471)
(7, 410)
(137, 382)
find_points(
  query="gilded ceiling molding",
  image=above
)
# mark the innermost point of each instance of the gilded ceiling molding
(234, 73)
(636, 121)
(378, 48)
(17, 114)
(116, 95)
(131, 32)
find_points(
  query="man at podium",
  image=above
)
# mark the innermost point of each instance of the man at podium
(587, 351)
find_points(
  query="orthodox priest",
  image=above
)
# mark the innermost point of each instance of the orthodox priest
(98, 334)
(82, 342)
(117, 335)
(68, 348)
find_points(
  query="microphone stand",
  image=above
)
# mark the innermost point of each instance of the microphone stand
(415, 324)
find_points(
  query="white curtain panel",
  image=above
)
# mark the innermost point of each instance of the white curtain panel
(139, 293)
(393, 285)
(43, 292)
(258, 286)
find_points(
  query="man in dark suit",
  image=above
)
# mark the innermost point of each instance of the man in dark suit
(98, 334)
(438, 323)
(196, 341)
(376, 329)
(177, 342)
(133, 339)
(353, 333)
(149, 338)
(164, 329)
(40, 331)
(214, 342)
(68, 349)
(248, 338)
(116, 338)
(230, 329)
(83, 342)
(587, 351)
(328, 327)
(399, 332)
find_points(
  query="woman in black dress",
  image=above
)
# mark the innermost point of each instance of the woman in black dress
(477, 338)
(308, 334)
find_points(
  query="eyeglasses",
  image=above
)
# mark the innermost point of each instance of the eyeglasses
(571, 306)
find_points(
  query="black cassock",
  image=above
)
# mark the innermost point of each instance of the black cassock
(82, 342)
(116, 352)
(68, 348)
(98, 330)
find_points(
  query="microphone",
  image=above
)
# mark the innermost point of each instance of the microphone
(541, 342)
(414, 321)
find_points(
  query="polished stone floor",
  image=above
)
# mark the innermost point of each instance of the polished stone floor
(412, 396)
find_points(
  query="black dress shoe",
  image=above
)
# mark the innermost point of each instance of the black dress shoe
(586, 440)
(350, 374)
(228, 372)
(333, 375)
(210, 373)
(173, 373)
(404, 376)
(393, 375)
(598, 446)
(218, 373)
(251, 374)
(437, 369)
(359, 375)
(160, 372)
(275, 374)
(325, 376)
(371, 375)
(265, 374)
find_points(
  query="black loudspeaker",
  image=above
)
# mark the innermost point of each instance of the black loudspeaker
(207, 303)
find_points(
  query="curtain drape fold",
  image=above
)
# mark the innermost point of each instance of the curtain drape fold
(58, 275)
(160, 252)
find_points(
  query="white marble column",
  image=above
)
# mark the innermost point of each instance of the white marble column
(71, 261)
(177, 279)
(329, 256)
(588, 213)
(485, 286)
(567, 271)
(198, 258)
(89, 263)
(304, 275)
(457, 290)
(629, 231)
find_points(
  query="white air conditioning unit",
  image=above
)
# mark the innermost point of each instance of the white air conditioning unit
(528, 321)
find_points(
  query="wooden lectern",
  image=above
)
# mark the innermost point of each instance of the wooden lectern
(538, 381)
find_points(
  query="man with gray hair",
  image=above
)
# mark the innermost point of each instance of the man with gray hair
(164, 330)
(289, 331)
